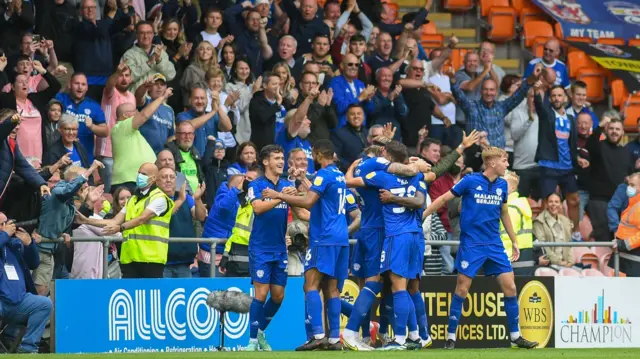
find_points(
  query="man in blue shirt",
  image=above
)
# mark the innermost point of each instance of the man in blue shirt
(90, 116)
(205, 124)
(550, 60)
(484, 205)
(19, 301)
(327, 258)
(160, 128)
(267, 247)
(294, 133)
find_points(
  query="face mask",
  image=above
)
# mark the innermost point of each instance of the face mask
(631, 191)
(141, 181)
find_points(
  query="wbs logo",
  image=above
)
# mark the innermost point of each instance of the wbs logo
(147, 315)
(625, 11)
(536, 313)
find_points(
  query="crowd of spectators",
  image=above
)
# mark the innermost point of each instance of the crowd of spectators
(147, 120)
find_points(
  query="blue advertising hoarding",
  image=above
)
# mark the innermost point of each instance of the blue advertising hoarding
(595, 18)
(163, 315)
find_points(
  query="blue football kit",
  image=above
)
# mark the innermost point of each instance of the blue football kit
(480, 243)
(267, 245)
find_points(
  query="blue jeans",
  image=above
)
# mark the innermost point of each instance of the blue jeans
(33, 309)
(447, 258)
(177, 271)
(584, 198)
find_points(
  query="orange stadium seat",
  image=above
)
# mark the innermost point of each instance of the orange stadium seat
(521, 4)
(619, 93)
(486, 5)
(566, 49)
(456, 59)
(577, 60)
(531, 14)
(545, 272)
(634, 42)
(616, 41)
(457, 5)
(557, 30)
(537, 49)
(431, 41)
(594, 78)
(429, 28)
(503, 24)
(631, 115)
(533, 29)
(585, 256)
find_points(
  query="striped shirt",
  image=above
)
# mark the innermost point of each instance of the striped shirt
(490, 119)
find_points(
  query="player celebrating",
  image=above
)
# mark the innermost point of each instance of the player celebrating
(267, 247)
(484, 204)
(327, 259)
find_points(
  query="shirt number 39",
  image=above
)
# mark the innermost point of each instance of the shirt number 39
(403, 192)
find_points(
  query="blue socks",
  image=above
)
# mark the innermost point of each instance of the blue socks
(363, 304)
(421, 314)
(314, 311)
(333, 314)
(270, 310)
(365, 325)
(384, 319)
(346, 308)
(513, 313)
(256, 317)
(401, 310)
(307, 322)
(455, 311)
(412, 321)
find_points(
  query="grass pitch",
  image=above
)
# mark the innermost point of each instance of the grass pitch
(430, 353)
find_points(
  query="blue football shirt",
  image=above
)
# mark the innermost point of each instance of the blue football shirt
(86, 108)
(328, 225)
(562, 74)
(159, 127)
(269, 228)
(371, 216)
(397, 219)
(482, 202)
(284, 140)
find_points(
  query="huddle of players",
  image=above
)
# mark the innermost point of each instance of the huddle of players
(389, 250)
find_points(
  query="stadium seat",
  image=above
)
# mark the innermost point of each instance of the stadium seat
(634, 42)
(537, 49)
(569, 272)
(536, 206)
(609, 272)
(486, 5)
(603, 261)
(457, 5)
(545, 272)
(587, 258)
(592, 273)
(429, 28)
(594, 78)
(616, 41)
(503, 24)
(531, 14)
(578, 59)
(631, 115)
(566, 49)
(586, 228)
(431, 41)
(619, 93)
(518, 5)
(533, 29)
(456, 59)
(602, 251)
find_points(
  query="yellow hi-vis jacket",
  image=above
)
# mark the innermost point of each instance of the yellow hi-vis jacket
(521, 222)
(240, 235)
(148, 242)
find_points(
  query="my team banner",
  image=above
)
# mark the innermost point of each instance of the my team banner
(163, 315)
(597, 312)
(623, 61)
(484, 320)
(595, 18)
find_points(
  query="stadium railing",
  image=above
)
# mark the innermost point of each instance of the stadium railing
(106, 242)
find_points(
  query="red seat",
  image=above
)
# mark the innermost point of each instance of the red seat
(503, 24)
(594, 78)
(545, 272)
(457, 5)
(533, 29)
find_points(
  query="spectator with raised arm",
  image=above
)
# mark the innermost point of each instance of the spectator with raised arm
(348, 90)
(250, 37)
(550, 60)
(306, 22)
(129, 148)
(321, 113)
(146, 59)
(486, 54)
(204, 60)
(267, 112)
(179, 54)
(16, 18)
(389, 15)
(287, 48)
(243, 82)
(382, 55)
(68, 145)
(159, 130)
(88, 112)
(297, 127)
(358, 47)
(319, 54)
(388, 103)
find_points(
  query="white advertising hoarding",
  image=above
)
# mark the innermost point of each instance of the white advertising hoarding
(597, 312)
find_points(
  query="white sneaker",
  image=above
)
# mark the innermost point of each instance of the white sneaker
(354, 343)
(426, 343)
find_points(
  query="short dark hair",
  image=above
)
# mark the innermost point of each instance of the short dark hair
(354, 105)
(321, 35)
(308, 73)
(358, 37)
(397, 151)
(141, 23)
(254, 167)
(507, 81)
(267, 150)
(556, 87)
(579, 84)
(428, 142)
(324, 147)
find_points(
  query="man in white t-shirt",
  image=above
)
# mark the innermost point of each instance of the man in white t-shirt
(442, 96)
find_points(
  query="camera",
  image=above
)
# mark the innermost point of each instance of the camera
(35, 38)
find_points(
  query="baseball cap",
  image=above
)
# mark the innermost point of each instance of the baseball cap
(157, 77)
(219, 145)
(259, 2)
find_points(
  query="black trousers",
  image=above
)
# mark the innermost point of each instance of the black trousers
(142, 270)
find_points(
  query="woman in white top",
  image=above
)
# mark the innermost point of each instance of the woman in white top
(243, 82)
(215, 81)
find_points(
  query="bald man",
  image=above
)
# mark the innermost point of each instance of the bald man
(166, 160)
(348, 90)
(144, 223)
(130, 148)
(550, 60)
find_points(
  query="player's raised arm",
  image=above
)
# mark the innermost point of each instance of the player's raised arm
(415, 202)
(437, 204)
(506, 221)
(307, 201)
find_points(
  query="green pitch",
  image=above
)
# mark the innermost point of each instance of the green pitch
(430, 353)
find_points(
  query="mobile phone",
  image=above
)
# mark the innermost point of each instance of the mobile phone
(35, 38)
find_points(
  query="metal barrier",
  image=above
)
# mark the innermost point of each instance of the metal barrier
(106, 241)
